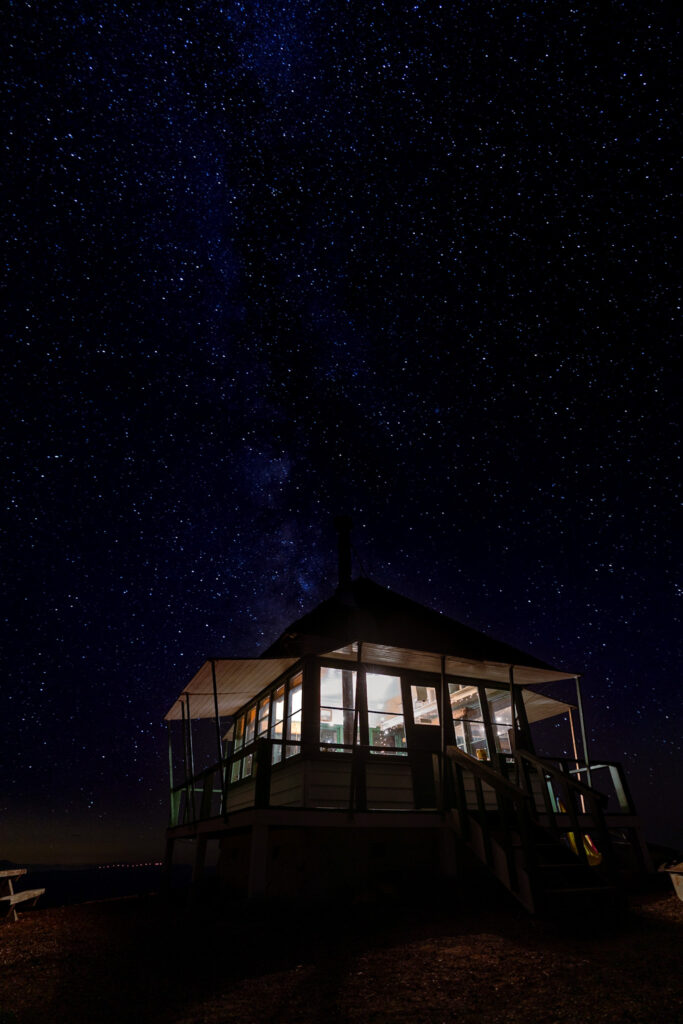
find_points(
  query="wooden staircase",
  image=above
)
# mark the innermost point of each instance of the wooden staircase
(540, 855)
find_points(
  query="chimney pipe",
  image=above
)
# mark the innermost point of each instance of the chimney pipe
(342, 525)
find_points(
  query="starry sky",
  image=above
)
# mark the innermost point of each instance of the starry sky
(269, 262)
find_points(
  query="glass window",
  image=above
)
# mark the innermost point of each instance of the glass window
(262, 725)
(337, 704)
(386, 723)
(277, 722)
(425, 707)
(239, 733)
(247, 765)
(250, 726)
(294, 716)
(235, 770)
(470, 731)
(501, 719)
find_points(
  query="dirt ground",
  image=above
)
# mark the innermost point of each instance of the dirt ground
(142, 959)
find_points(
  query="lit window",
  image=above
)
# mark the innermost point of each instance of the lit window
(501, 719)
(337, 703)
(425, 708)
(386, 724)
(239, 733)
(470, 731)
(294, 717)
(263, 707)
(247, 765)
(250, 727)
(277, 723)
(235, 770)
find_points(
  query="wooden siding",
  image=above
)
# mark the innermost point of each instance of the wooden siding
(287, 786)
(240, 796)
(329, 784)
(389, 786)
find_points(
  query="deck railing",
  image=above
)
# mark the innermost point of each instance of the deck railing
(555, 786)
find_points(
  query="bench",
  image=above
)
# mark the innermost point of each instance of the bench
(9, 899)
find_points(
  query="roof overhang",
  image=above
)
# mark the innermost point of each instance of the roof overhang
(425, 661)
(238, 680)
(539, 707)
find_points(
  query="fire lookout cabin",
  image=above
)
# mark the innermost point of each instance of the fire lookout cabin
(378, 741)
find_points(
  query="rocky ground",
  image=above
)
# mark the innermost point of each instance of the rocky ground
(142, 959)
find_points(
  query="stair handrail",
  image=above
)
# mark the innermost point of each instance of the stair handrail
(506, 793)
(488, 774)
(597, 799)
(547, 766)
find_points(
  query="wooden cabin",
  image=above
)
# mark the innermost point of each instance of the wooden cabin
(378, 741)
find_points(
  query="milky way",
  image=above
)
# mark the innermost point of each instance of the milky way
(270, 262)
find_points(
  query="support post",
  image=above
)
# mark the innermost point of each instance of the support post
(168, 866)
(445, 703)
(198, 868)
(190, 750)
(219, 741)
(360, 739)
(189, 734)
(579, 704)
(186, 766)
(172, 795)
(258, 861)
(513, 716)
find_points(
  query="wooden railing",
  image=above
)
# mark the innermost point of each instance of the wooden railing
(495, 837)
(199, 797)
(503, 823)
(606, 776)
(570, 806)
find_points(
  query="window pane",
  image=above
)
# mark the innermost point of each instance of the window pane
(337, 688)
(235, 770)
(336, 726)
(263, 716)
(277, 753)
(425, 708)
(478, 746)
(295, 694)
(294, 727)
(278, 708)
(239, 732)
(387, 730)
(501, 719)
(470, 732)
(294, 715)
(246, 767)
(384, 693)
(338, 700)
(250, 726)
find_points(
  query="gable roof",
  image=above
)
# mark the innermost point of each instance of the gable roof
(364, 610)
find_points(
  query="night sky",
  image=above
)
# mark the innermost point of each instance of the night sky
(269, 262)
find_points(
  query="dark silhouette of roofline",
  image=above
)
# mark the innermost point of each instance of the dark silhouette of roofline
(364, 610)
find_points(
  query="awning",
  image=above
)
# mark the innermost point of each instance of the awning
(539, 707)
(237, 681)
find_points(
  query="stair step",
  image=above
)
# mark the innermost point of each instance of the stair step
(574, 890)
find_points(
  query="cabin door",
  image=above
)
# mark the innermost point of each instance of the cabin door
(424, 740)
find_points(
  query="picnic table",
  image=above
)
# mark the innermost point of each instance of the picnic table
(9, 899)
